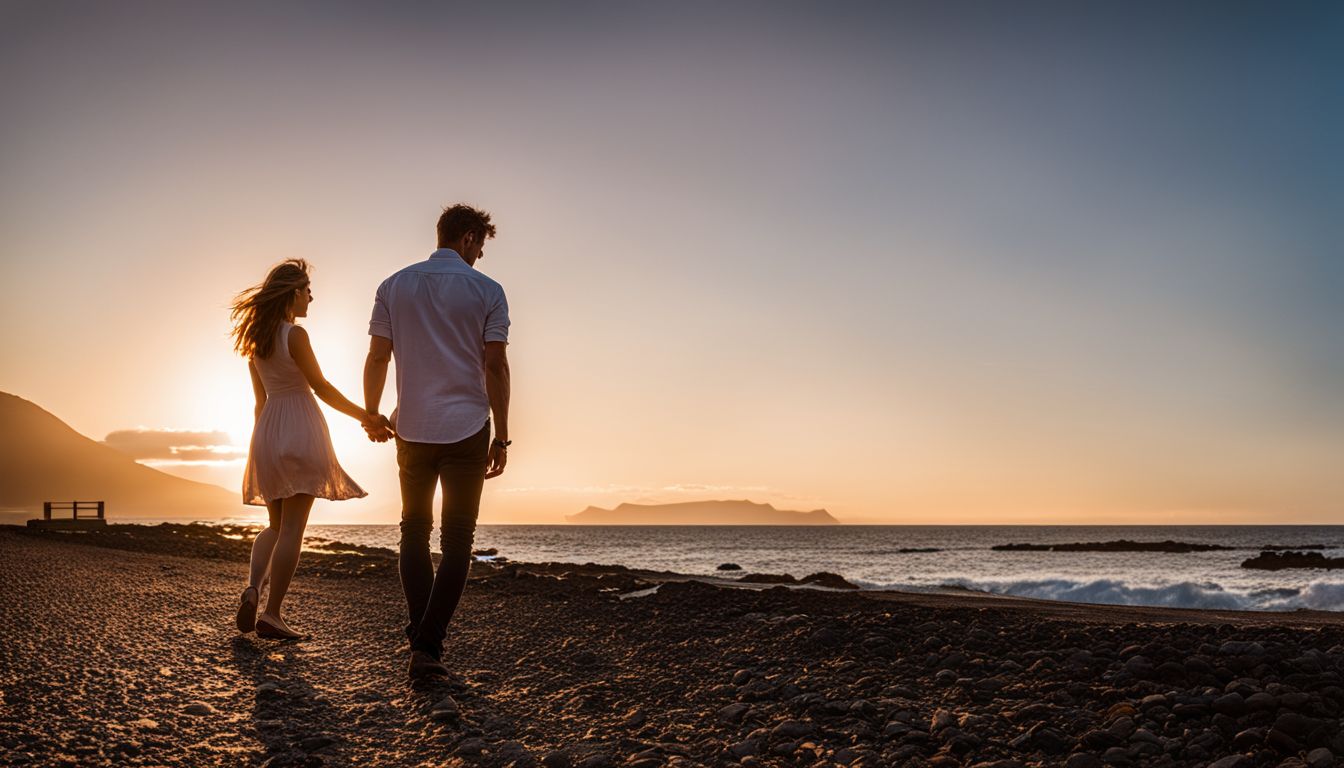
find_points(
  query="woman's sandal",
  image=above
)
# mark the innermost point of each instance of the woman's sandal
(247, 611)
(268, 630)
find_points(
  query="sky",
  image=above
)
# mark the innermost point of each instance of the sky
(943, 262)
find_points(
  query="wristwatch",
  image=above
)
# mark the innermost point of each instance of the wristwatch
(502, 443)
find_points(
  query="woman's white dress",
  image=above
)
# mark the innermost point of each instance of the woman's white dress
(291, 449)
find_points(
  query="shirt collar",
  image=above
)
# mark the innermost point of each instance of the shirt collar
(447, 253)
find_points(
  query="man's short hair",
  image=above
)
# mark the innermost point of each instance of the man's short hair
(458, 220)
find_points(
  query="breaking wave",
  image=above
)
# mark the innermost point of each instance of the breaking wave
(1319, 595)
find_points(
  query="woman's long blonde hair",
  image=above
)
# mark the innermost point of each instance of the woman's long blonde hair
(258, 311)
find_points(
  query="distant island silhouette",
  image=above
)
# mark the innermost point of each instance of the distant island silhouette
(43, 459)
(700, 513)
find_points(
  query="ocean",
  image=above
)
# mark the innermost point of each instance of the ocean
(870, 556)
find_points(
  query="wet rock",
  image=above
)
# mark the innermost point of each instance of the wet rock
(828, 580)
(728, 567)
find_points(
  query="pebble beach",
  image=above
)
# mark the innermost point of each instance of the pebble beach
(117, 648)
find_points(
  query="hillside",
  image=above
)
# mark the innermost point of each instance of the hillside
(43, 459)
(700, 513)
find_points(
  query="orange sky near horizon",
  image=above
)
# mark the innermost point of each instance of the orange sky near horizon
(910, 266)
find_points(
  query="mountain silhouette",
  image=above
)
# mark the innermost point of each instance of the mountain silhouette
(700, 513)
(43, 459)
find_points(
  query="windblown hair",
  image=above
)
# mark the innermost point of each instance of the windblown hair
(458, 220)
(258, 311)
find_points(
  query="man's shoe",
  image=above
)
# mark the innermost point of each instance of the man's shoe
(425, 666)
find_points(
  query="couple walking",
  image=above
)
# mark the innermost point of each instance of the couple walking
(447, 327)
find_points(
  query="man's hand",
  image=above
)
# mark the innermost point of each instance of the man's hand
(499, 456)
(378, 428)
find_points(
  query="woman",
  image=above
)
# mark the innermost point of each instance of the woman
(290, 461)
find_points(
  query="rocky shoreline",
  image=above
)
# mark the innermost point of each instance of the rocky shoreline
(117, 650)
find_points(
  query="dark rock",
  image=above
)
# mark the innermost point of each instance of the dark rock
(314, 743)
(1320, 758)
(792, 729)
(1262, 701)
(828, 580)
(1294, 724)
(1233, 761)
(734, 713)
(1230, 704)
(1083, 760)
(729, 567)
(1282, 741)
(1278, 561)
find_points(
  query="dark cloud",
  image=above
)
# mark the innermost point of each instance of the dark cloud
(174, 445)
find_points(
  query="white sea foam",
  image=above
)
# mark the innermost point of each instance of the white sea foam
(1319, 595)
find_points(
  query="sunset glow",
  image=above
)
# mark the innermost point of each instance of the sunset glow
(875, 262)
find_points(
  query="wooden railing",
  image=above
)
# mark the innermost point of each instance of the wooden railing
(92, 509)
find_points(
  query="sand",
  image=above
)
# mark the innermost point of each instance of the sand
(119, 649)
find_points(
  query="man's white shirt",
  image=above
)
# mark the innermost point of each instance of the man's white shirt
(439, 314)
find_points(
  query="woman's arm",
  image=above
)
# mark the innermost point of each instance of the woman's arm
(301, 349)
(258, 389)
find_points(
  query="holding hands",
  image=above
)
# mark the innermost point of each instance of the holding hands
(377, 427)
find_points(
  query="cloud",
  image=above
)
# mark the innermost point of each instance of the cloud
(173, 446)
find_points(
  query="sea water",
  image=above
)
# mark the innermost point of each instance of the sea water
(871, 557)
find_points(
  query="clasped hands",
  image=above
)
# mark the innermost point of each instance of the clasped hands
(378, 427)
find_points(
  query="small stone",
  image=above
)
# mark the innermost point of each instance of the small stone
(791, 729)
(445, 709)
(1231, 704)
(471, 747)
(314, 743)
(1320, 758)
(1083, 760)
(729, 567)
(1282, 741)
(734, 713)
(1233, 761)
(634, 718)
(198, 708)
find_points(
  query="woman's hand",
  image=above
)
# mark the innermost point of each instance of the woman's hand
(378, 428)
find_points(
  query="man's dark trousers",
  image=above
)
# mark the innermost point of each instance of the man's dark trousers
(460, 467)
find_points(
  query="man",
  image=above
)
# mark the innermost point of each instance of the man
(447, 325)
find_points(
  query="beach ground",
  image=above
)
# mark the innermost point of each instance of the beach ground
(118, 648)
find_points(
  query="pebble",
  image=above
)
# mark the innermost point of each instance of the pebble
(198, 708)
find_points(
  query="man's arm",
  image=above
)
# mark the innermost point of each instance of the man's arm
(497, 387)
(375, 378)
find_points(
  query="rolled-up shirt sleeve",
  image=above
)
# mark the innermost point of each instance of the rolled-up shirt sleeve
(380, 324)
(497, 319)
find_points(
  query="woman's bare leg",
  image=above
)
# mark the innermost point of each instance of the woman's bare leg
(263, 546)
(285, 558)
